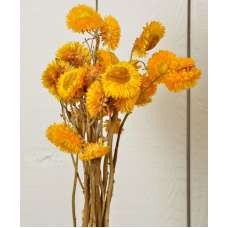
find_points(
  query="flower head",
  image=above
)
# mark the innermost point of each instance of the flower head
(74, 53)
(105, 58)
(151, 35)
(71, 84)
(83, 18)
(93, 150)
(121, 80)
(110, 32)
(184, 77)
(52, 73)
(95, 99)
(65, 138)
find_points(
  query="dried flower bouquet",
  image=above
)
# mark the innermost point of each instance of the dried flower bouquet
(93, 86)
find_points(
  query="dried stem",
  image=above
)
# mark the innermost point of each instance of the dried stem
(118, 139)
(144, 65)
(97, 191)
(106, 208)
(96, 5)
(86, 210)
(131, 55)
(90, 46)
(93, 195)
(74, 193)
(105, 172)
(78, 176)
(80, 182)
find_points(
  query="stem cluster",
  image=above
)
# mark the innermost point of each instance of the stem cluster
(98, 176)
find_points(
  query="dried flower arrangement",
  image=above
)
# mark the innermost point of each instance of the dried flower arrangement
(93, 88)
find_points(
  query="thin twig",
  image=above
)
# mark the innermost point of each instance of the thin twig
(118, 139)
(79, 178)
(63, 115)
(90, 49)
(97, 5)
(74, 193)
(86, 210)
(144, 65)
(131, 55)
(80, 182)
(106, 210)
(96, 46)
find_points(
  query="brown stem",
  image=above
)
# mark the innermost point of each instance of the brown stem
(131, 55)
(93, 195)
(105, 181)
(74, 193)
(144, 65)
(63, 115)
(96, 5)
(105, 172)
(80, 182)
(118, 139)
(90, 47)
(109, 192)
(86, 211)
(78, 176)
(97, 191)
(106, 209)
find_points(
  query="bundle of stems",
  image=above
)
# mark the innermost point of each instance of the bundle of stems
(98, 182)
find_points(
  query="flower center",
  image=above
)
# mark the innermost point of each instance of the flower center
(82, 15)
(119, 75)
(68, 80)
(162, 68)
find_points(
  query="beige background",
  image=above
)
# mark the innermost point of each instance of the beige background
(150, 185)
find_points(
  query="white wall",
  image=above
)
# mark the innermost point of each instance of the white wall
(150, 187)
(199, 116)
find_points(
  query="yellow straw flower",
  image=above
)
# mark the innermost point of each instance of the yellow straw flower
(151, 35)
(184, 78)
(83, 18)
(52, 73)
(110, 32)
(93, 150)
(161, 63)
(71, 84)
(121, 80)
(74, 53)
(64, 137)
(95, 99)
(105, 58)
(147, 90)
